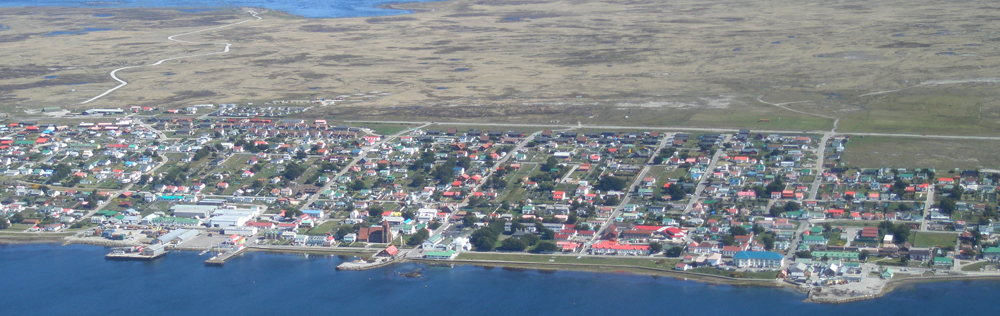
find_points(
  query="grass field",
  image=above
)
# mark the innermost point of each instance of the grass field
(387, 129)
(976, 266)
(765, 275)
(647, 262)
(942, 154)
(934, 239)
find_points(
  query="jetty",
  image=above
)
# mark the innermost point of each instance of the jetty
(359, 265)
(136, 253)
(225, 256)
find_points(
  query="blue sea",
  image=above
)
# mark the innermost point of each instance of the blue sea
(305, 8)
(47, 279)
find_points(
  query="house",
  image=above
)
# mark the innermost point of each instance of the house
(759, 259)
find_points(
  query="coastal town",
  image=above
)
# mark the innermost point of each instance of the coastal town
(739, 206)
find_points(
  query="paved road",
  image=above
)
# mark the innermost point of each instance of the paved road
(701, 182)
(927, 208)
(820, 157)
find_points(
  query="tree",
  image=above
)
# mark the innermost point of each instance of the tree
(738, 231)
(513, 244)
(583, 227)
(417, 180)
(947, 206)
(550, 164)
(469, 220)
(655, 247)
(803, 254)
(343, 230)
(434, 225)
(827, 227)
(358, 185)
(301, 155)
(792, 207)
(863, 255)
(293, 213)
(418, 237)
(768, 241)
(674, 251)
(904, 260)
(775, 186)
(609, 183)
(375, 211)
(728, 240)
(545, 247)
(546, 234)
(530, 239)
(4, 223)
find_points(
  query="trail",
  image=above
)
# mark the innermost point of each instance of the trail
(122, 83)
(937, 83)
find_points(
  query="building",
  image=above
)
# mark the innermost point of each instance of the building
(376, 234)
(759, 259)
(441, 255)
(193, 211)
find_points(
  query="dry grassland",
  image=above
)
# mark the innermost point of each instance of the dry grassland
(689, 63)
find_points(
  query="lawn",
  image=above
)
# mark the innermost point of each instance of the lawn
(646, 262)
(387, 129)
(976, 266)
(323, 228)
(934, 239)
(910, 152)
(765, 275)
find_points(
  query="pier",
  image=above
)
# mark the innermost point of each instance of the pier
(360, 265)
(223, 257)
(134, 256)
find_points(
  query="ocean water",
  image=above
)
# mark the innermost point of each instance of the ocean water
(305, 8)
(44, 279)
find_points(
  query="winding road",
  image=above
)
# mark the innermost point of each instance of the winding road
(122, 83)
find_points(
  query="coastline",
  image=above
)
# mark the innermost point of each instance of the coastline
(890, 285)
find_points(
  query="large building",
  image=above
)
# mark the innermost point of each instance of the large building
(759, 259)
(377, 234)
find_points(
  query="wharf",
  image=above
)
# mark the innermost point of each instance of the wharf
(363, 265)
(222, 258)
(133, 256)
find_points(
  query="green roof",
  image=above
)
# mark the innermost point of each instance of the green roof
(835, 255)
(942, 260)
(440, 253)
(813, 238)
(992, 250)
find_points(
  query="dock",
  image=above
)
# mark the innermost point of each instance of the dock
(136, 252)
(133, 256)
(363, 265)
(223, 257)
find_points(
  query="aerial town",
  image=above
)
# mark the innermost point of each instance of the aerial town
(734, 205)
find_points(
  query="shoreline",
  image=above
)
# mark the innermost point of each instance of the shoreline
(890, 285)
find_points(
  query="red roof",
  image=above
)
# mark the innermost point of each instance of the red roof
(391, 250)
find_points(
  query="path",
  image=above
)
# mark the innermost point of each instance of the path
(122, 83)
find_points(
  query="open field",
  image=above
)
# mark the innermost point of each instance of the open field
(872, 151)
(880, 66)
(648, 262)
(934, 239)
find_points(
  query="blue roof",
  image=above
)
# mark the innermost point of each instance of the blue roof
(768, 255)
